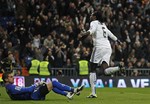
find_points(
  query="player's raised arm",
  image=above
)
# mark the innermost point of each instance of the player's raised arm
(113, 37)
(91, 31)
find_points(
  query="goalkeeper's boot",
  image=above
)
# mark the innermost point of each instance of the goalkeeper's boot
(92, 96)
(70, 95)
(79, 89)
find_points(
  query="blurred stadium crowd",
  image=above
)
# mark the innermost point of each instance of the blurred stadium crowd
(50, 29)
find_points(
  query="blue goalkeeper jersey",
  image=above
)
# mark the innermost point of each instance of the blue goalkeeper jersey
(19, 93)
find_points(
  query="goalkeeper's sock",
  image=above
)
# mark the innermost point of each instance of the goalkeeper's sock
(56, 90)
(61, 86)
(92, 78)
(111, 70)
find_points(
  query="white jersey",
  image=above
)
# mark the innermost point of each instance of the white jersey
(100, 34)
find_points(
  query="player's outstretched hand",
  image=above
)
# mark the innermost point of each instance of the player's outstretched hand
(39, 83)
(119, 42)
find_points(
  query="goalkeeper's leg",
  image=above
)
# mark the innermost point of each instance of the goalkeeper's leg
(60, 88)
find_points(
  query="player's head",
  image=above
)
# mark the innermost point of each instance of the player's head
(96, 16)
(8, 77)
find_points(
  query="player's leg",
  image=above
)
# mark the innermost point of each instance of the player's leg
(64, 87)
(45, 89)
(60, 88)
(104, 63)
(109, 70)
(92, 78)
(41, 90)
(58, 91)
(95, 58)
(57, 88)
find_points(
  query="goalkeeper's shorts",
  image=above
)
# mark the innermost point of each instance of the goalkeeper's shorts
(40, 92)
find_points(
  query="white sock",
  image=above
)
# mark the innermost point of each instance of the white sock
(92, 78)
(111, 70)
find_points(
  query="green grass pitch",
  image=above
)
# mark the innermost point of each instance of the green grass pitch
(105, 96)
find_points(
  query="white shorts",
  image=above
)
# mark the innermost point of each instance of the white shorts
(101, 54)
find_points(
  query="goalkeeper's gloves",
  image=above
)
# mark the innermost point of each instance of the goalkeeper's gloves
(39, 83)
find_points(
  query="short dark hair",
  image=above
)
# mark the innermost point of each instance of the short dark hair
(5, 75)
(98, 16)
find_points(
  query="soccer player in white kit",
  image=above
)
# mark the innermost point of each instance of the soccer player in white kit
(101, 49)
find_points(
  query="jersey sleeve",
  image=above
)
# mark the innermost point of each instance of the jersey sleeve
(93, 27)
(18, 90)
(111, 35)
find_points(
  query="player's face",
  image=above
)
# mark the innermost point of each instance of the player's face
(92, 17)
(10, 78)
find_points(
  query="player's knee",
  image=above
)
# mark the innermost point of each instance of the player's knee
(104, 65)
(100, 71)
(92, 67)
(92, 70)
(44, 89)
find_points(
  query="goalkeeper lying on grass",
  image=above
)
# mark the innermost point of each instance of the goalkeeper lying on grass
(38, 91)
